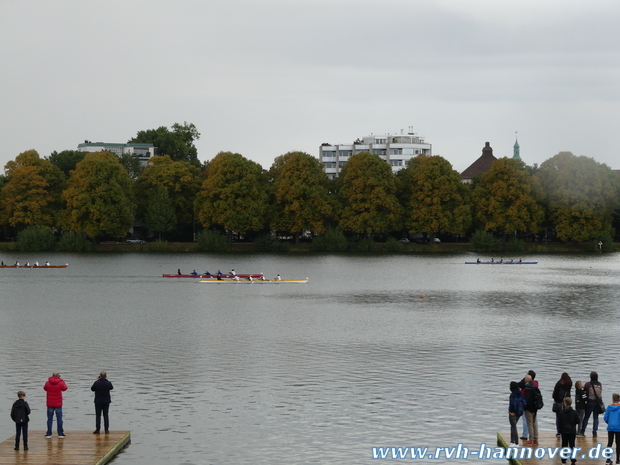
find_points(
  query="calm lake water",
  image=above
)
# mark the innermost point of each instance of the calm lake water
(373, 351)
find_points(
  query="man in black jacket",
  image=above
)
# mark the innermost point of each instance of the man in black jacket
(102, 388)
(531, 410)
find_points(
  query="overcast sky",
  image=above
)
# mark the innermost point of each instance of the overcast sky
(265, 77)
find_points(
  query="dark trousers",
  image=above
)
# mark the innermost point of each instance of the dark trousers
(99, 409)
(610, 441)
(591, 409)
(21, 429)
(568, 440)
(514, 434)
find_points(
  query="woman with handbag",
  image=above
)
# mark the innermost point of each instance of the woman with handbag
(594, 390)
(560, 392)
(516, 404)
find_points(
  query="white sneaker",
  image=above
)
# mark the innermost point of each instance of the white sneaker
(512, 444)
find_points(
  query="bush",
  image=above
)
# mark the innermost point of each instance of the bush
(70, 241)
(365, 244)
(393, 246)
(332, 241)
(269, 243)
(209, 240)
(36, 239)
(515, 245)
(483, 241)
(606, 239)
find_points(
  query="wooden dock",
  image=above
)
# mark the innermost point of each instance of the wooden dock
(78, 448)
(548, 440)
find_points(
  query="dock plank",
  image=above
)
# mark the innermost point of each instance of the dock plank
(78, 448)
(549, 440)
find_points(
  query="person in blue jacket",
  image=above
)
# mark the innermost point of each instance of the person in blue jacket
(102, 387)
(612, 418)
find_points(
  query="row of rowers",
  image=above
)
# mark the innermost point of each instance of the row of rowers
(232, 275)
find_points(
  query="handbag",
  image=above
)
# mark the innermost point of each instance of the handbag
(599, 402)
(556, 407)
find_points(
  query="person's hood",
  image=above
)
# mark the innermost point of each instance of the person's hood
(54, 380)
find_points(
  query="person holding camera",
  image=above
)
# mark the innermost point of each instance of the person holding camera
(54, 387)
(102, 387)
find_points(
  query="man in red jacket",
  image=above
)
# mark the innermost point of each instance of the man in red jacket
(54, 387)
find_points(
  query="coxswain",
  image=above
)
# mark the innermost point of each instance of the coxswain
(2, 264)
(179, 271)
(519, 260)
(194, 273)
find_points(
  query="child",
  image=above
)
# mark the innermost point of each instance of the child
(568, 421)
(19, 414)
(612, 418)
(581, 398)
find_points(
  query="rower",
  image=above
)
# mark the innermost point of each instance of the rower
(492, 260)
(249, 277)
(194, 273)
(219, 273)
(207, 273)
(36, 263)
(16, 263)
(27, 263)
(278, 278)
(262, 277)
(236, 278)
(233, 272)
(477, 260)
(47, 263)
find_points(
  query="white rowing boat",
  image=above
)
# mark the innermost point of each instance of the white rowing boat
(254, 281)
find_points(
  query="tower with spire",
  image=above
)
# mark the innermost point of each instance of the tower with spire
(515, 150)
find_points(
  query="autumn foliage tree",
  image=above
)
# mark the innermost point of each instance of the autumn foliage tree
(233, 195)
(507, 198)
(31, 195)
(300, 194)
(367, 192)
(581, 195)
(434, 198)
(99, 197)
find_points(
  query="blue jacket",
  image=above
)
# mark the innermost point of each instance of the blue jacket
(612, 417)
(102, 388)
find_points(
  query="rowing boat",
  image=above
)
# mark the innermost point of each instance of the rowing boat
(34, 266)
(245, 281)
(501, 263)
(210, 276)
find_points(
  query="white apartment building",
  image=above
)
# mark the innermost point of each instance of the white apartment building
(395, 149)
(143, 151)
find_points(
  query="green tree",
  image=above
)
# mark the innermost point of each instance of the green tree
(66, 160)
(234, 195)
(367, 189)
(506, 198)
(181, 180)
(178, 143)
(434, 197)
(99, 197)
(160, 215)
(300, 195)
(581, 195)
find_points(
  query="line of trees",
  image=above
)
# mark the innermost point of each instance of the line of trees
(101, 195)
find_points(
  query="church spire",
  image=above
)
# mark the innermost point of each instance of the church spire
(515, 149)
